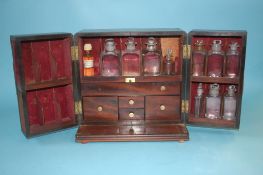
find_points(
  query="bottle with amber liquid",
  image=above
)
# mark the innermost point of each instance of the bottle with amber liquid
(230, 102)
(198, 59)
(232, 60)
(151, 58)
(215, 60)
(169, 63)
(110, 59)
(213, 102)
(131, 59)
(88, 61)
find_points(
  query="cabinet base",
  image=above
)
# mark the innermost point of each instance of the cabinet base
(115, 133)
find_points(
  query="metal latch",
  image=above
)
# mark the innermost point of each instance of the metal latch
(185, 106)
(74, 53)
(78, 107)
(186, 51)
(130, 80)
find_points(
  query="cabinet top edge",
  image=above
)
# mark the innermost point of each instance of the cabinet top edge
(40, 36)
(198, 32)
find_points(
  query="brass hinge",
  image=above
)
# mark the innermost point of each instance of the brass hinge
(78, 107)
(185, 106)
(74, 53)
(186, 51)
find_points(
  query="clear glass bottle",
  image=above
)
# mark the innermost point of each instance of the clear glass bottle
(198, 101)
(110, 59)
(230, 103)
(213, 102)
(88, 61)
(215, 60)
(198, 58)
(131, 59)
(169, 63)
(151, 58)
(232, 60)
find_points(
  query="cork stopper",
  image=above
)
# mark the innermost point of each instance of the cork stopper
(233, 46)
(231, 90)
(87, 47)
(110, 45)
(200, 90)
(214, 90)
(217, 45)
(130, 44)
(199, 44)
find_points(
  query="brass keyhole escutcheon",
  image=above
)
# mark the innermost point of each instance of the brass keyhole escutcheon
(100, 108)
(163, 88)
(131, 102)
(131, 114)
(162, 107)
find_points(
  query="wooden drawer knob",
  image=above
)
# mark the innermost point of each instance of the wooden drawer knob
(100, 108)
(162, 107)
(131, 114)
(163, 88)
(131, 102)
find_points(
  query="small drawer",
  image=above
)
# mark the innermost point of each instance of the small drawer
(131, 114)
(162, 108)
(100, 108)
(131, 102)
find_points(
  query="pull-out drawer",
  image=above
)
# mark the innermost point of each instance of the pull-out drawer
(131, 102)
(162, 108)
(130, 89)
(131, 114)
(100, 108)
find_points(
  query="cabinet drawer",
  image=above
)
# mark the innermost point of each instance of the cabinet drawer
(131, 102)
(131, 114)
(130, 89)
(162, 108)
(100, 108)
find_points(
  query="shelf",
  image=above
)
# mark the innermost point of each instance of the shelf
(161, 78)
(220, 123)
(205, 79)
(48, 84)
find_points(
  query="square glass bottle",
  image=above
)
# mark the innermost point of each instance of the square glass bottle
(213, 102)
(215, 60)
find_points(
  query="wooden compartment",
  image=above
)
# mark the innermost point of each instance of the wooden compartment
(131, 114)
(131, 102)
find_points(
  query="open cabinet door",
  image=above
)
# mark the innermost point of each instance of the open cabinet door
(44, 74)
(216, 62)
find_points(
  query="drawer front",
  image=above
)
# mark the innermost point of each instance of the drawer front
(131, 114)
(100, 108)
(131, 102)
(162, 108)
(130, 89)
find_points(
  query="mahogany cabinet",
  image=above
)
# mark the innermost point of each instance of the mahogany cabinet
(53, 93)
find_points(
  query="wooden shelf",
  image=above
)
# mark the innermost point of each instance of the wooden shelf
(48, 84)
(160, 78)
(205, 79)
(218, 123)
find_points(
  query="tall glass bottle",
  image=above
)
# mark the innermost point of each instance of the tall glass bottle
(88, 61)
(198, 58)
(230, 103)
(151, 58)
(110, 59)
(215, 60)
(131, 59)
(169, 63)
(198, 101)
(232, 60)
(213, 102)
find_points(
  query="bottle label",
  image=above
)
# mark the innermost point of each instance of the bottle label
(88, 63)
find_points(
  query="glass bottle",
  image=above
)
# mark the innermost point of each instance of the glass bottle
(232, 65)
(131, 60)
(198, 58)
(110, 59)
(169, 63)
(88, 61)
(151, 58)
(215, 60)
(198, 100)
(213, 102)
(230, 103)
